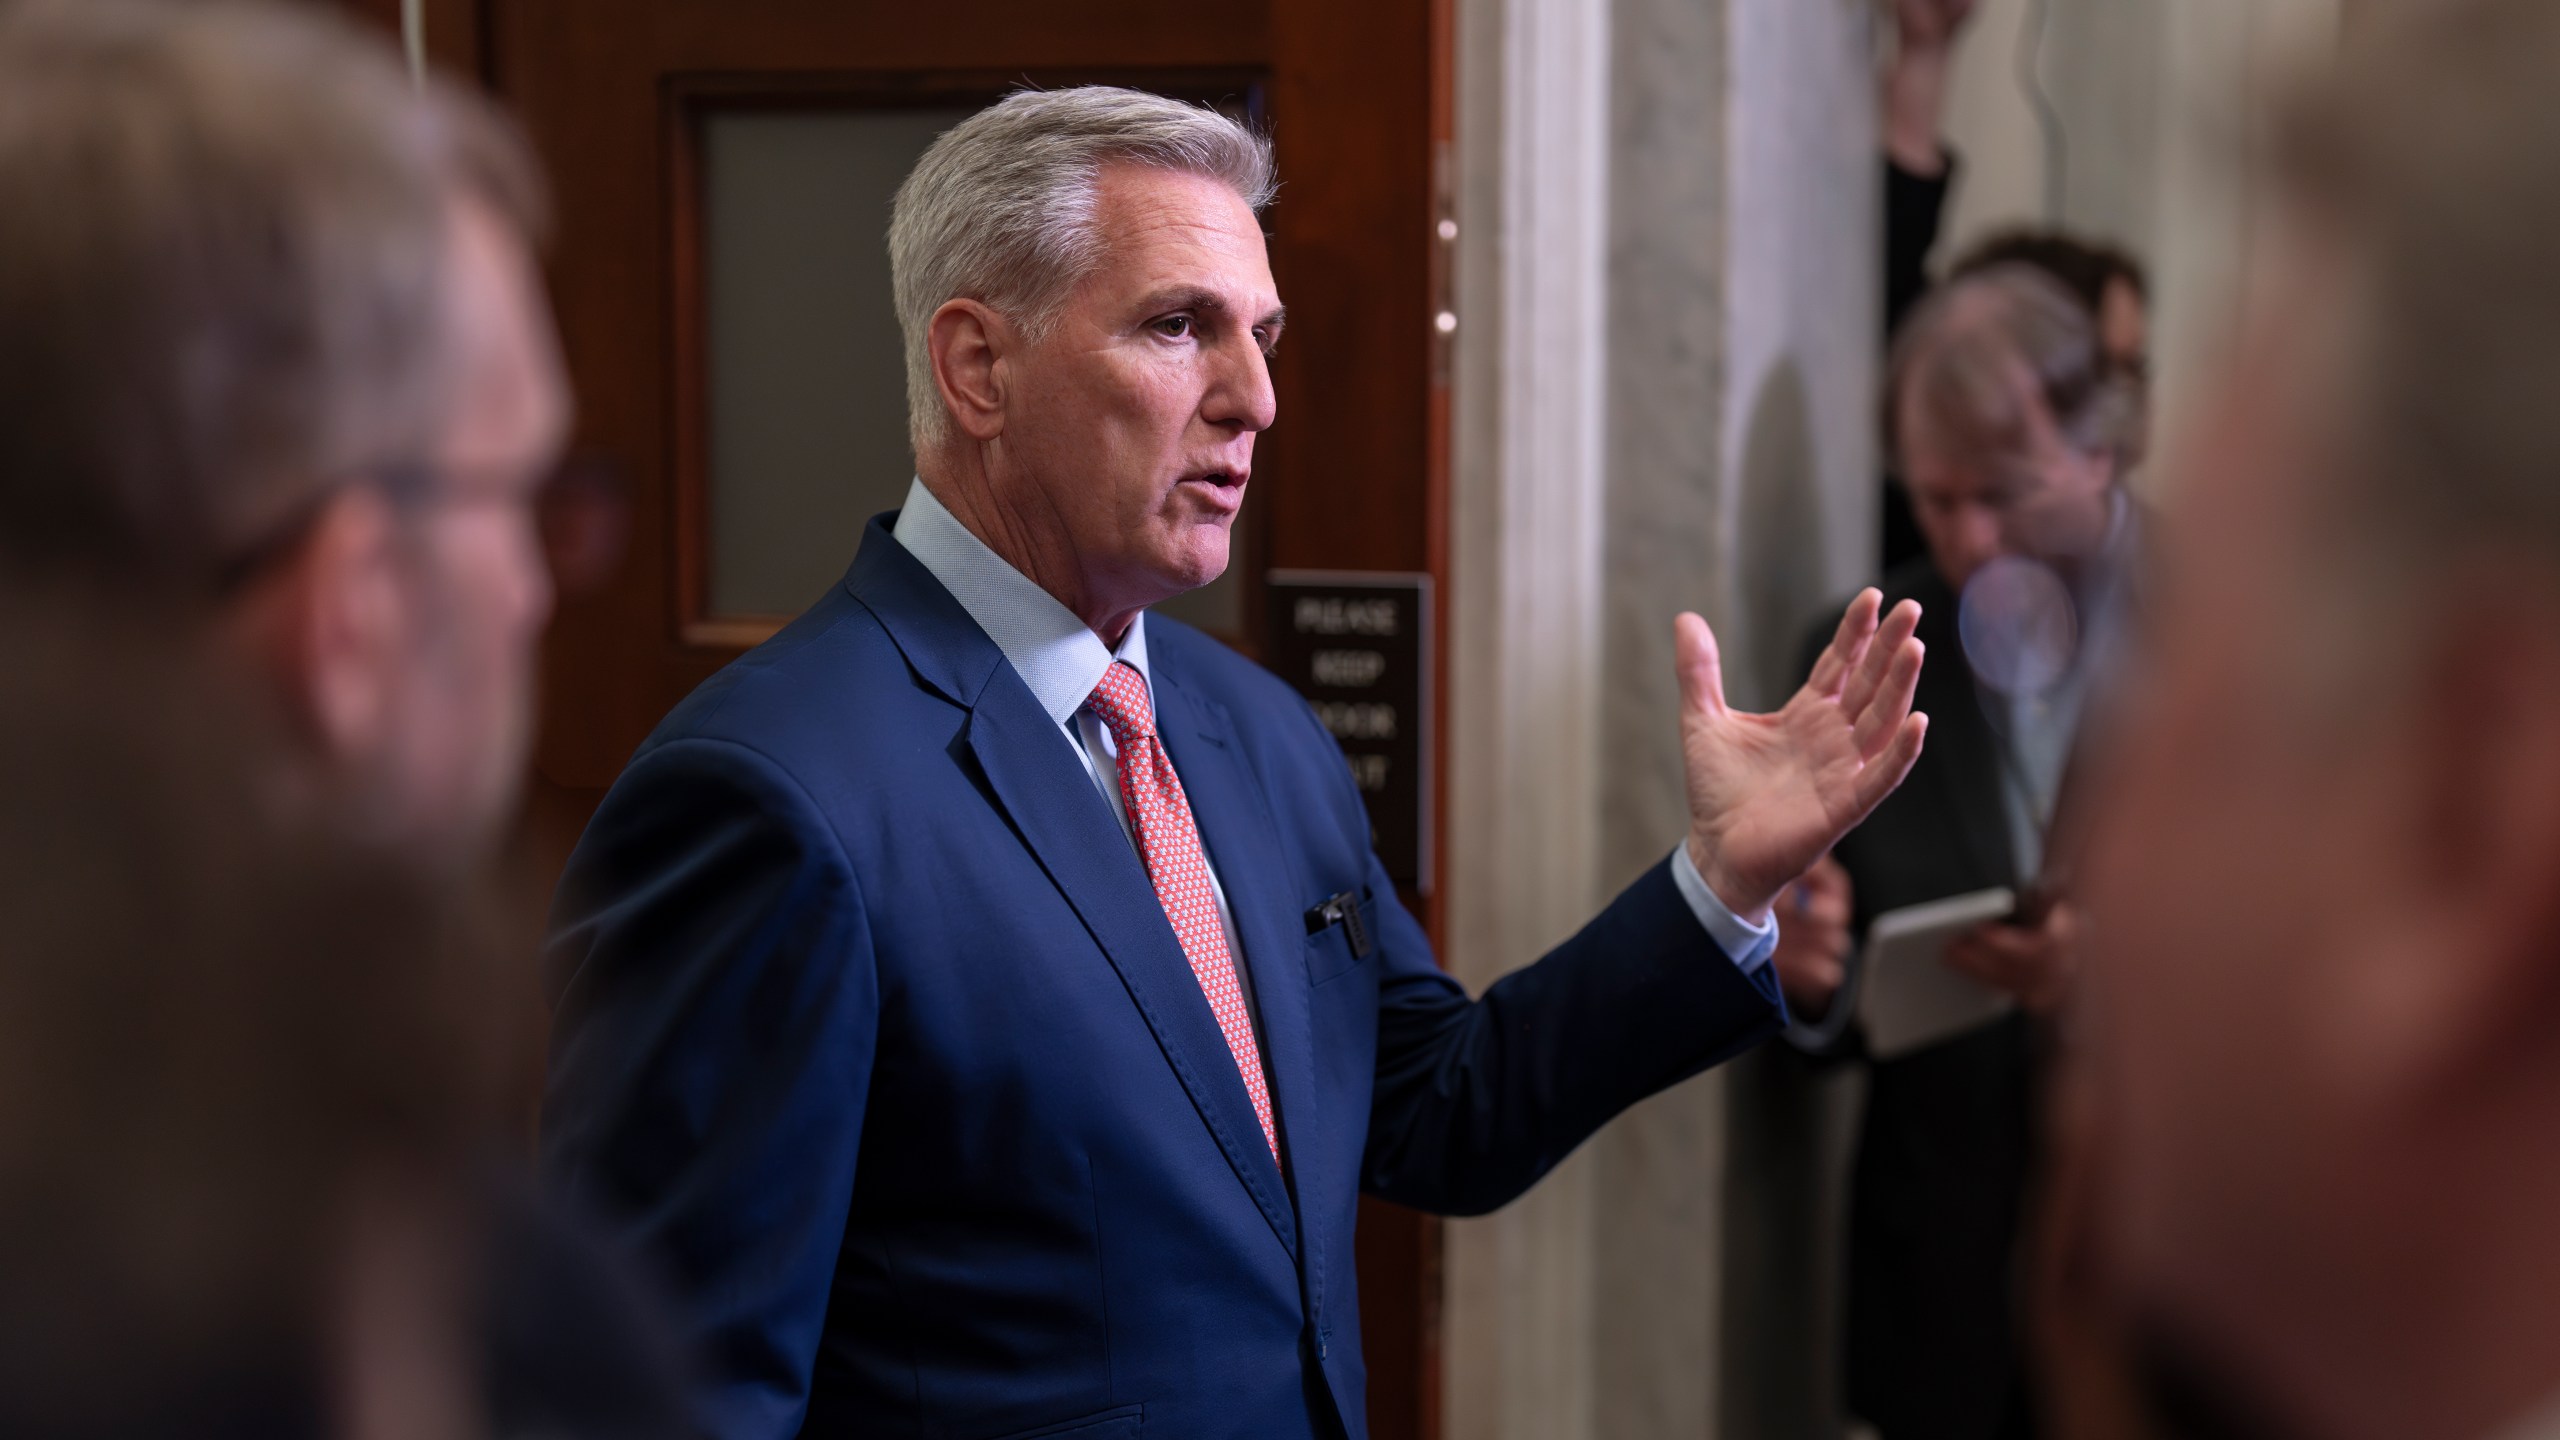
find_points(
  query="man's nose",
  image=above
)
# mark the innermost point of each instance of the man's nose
(1982, 535)
(1241, 395)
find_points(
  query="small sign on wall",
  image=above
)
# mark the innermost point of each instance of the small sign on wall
(1357, 644)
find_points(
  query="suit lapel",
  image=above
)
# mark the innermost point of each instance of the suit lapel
(1042, 786)
(1035, 774)
(1244, 846)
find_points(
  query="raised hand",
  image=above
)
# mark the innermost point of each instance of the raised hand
(1925, 24)
(1769, 794)
(1915, 82)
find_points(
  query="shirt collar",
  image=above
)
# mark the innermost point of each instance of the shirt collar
(1056, 654)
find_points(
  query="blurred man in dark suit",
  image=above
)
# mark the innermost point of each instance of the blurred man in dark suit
(2007, 424)
(2326, 1018)
(276, 369)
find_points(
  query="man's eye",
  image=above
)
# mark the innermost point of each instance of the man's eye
(1174, 327)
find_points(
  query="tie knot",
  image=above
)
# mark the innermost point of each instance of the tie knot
(1121, 701)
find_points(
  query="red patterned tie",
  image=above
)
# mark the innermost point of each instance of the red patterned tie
(1170, 844)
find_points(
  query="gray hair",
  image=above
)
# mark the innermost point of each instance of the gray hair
(222, 272)
(1001, 207)
(1960, 354)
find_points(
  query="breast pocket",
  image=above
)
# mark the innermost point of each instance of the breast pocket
(1341, 935)
(1126, 1423)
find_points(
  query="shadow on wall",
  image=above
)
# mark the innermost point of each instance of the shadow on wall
(1779, 573)
(1791, 1122)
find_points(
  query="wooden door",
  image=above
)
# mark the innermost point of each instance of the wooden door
(635, 103)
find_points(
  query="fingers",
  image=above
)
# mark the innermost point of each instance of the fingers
(1824, 974)
(1885, 710)
(2026, 964)
(1848, 643)
(1995, 953)
(1701, 669)
(1873, 667)
(1830, 877)
(1810, 980)
(1885, 772)
(1968, 956)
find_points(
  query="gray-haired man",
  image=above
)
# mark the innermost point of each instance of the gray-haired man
(984, 996)
(273, 350)
(2328, 979)
(276, 374)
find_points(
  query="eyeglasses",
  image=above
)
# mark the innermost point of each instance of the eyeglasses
(581, 509)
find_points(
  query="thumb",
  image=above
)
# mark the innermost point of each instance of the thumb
(1701, 669)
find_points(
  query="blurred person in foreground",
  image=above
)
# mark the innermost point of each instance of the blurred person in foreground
(985, 994)
(2326, 1017)
(244, 1063)
(275, 369)
(2007, 423)
(273, 353)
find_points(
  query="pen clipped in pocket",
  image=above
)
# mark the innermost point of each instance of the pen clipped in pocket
(1338, 937)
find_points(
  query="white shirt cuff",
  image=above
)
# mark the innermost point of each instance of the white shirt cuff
(1749, 946)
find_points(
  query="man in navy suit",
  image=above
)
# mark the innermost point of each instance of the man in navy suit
(983, 1000)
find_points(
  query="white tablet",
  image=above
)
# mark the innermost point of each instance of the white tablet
(1907, 997)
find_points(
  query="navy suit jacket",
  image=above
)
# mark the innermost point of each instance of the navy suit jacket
(870, 1029)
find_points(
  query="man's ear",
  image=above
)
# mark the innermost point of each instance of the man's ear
(336, 623)
(2482, 751)
(969, 345)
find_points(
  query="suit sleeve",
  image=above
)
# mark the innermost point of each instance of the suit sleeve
(1475, 1099)
(716, 1013)
(1914, 211)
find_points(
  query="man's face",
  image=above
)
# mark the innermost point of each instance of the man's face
(481, 588)
(2256, 893)
(2043, 499)
(1132, 420)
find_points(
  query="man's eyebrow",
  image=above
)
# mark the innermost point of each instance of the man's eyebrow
(1194, 297)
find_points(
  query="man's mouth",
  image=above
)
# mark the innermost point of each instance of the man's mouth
(1223, 489)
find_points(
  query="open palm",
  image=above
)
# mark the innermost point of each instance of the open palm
(1768, 794)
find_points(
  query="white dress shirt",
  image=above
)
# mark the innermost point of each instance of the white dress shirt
(1060, 658)
(2038, 730)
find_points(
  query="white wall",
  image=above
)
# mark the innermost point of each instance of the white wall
(2155, 103)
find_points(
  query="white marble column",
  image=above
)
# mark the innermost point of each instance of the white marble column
(1667, 282)
(1526, 646)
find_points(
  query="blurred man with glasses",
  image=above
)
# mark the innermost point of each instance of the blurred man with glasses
(272, 344)
(277, 382)
(2009, 427)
